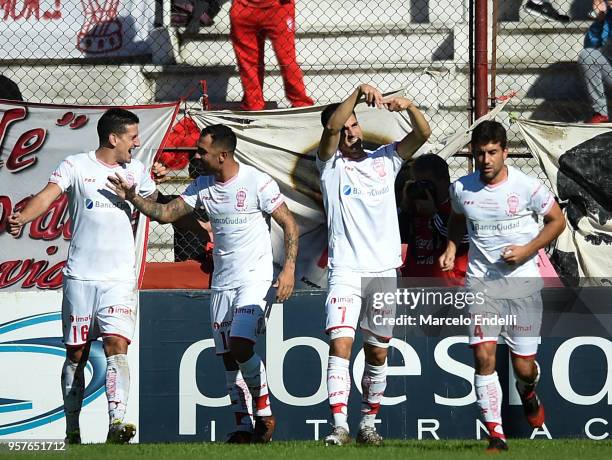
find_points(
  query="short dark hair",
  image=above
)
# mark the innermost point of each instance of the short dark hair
(489, 131)
(432, 163)
(222, 136)
(115, 121)
(329, 111)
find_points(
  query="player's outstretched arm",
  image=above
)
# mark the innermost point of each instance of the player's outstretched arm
(164, 213)
(456, 230)
(554, 224)
(38, 204)
(286, 278)
(331, 131)
(420, 128)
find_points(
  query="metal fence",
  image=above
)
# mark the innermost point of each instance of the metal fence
(127, 52)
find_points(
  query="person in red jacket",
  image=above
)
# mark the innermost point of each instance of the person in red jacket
(252, 21)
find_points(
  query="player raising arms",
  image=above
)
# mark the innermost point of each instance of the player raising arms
(99, 285)
(364, 242)
(237, 199)
(501, 206)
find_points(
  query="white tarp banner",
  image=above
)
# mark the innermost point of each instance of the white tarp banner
(60, 29)
(283, 143)
(576, 159)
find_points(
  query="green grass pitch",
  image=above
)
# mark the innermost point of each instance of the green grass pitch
(557, 449)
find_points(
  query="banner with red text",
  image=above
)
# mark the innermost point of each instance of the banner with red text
(34, 139)
(60, 29)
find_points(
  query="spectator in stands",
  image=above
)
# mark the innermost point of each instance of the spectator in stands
(9, 89)
(596, 60)
(252, 21)
(425, 209)
(543, 9)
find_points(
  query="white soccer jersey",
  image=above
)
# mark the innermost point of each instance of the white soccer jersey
(359, 198)
(497, 216)
(102, 244)
(243, 248)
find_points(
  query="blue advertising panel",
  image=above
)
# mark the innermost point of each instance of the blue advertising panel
(429, 393)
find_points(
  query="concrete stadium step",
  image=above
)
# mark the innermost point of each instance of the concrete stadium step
(80, 84)
(432, 85)
(558, 81)
(540, 43)
(333, 15)
(410, 43)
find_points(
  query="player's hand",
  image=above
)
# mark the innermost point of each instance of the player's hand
(515, 255)
(284, 284)
(1, 164)
(121, 188)
(372, 96)
(397, 103)
(447, 260)
(15, 224)
(160, 172)
(426, 207)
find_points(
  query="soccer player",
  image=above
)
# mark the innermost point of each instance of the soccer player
(99, 286)
(501, 206)
(364, 242)
(238, 199)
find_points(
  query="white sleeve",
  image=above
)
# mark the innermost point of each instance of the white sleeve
(147, 185)
(541, 199)
(323, 165)
(391, 152)
(191, 195)
(455, 199)
(63, 175)
(268, 194)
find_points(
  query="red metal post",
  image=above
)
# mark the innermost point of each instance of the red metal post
(205, 100)
(481, 58)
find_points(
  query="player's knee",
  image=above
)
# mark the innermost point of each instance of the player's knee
(524, 368)
(341, 347)
(75, 354)
(241, 349)
(375, 355)
(484, 360)
(115, 346)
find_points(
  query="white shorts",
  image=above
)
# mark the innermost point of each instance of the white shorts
(523, 318)
(347, 305)
(92, 309)
(239, 312)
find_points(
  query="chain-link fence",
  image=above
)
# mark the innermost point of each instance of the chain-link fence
(127, 52)
(542, 51)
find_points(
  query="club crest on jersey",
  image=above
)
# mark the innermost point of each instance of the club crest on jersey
(513, 204)
(129, 178)
(379, 167)
(241, 197)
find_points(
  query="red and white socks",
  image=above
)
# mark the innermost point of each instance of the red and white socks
(117, 386)
(373, 384)
(254, 374)
(489, 398)
(338, 389)
(242, 402)
(73, 388)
